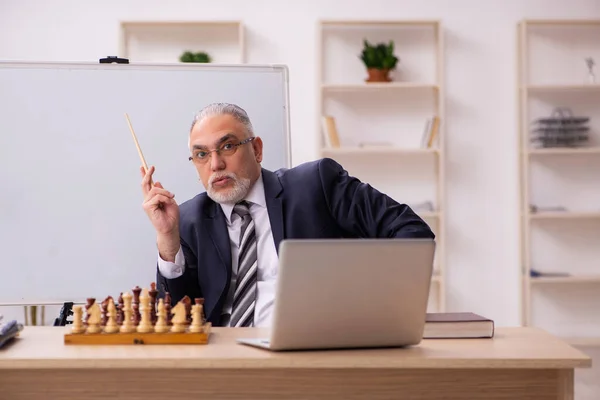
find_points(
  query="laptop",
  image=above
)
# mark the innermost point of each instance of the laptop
(349, 293)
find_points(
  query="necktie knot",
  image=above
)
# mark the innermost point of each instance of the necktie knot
(242, 209)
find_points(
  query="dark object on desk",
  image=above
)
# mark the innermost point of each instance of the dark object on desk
(65, 312)
(113, 60)
(9, 331)
(461, 325)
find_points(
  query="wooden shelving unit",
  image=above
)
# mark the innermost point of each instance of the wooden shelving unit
(165, 41)
(391, 117)
(559, 233)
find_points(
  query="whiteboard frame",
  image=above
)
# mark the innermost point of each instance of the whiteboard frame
(282, 68)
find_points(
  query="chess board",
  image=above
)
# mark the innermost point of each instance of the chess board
(138, 318)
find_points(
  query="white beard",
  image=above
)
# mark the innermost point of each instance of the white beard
(233, 195)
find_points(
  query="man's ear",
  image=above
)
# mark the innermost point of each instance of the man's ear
(257, 145)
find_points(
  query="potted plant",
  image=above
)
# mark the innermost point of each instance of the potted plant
(200, 57)
(379, 59)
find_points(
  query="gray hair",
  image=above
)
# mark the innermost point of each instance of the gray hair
(234, 110)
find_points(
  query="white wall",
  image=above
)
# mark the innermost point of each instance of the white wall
(482, 175)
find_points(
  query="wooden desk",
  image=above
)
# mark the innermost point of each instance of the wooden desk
(519, 363)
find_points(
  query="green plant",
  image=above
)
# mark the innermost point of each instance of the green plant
(200, 57)
(379, 56)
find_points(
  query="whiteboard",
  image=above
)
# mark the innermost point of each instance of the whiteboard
(71, 219)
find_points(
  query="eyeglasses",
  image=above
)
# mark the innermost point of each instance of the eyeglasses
(226, 149)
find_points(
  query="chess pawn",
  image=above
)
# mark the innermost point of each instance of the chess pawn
(196, 326)
(119, 314)
(128, 325)
(111, 324)
(161, 323)
(78, 326)
(95, 315)
(179, 319)
(145, 324)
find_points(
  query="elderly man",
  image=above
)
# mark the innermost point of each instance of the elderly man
(222, 245)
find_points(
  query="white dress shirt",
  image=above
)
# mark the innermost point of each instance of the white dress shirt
(268, 261)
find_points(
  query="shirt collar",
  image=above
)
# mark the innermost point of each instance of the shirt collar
(255, 196)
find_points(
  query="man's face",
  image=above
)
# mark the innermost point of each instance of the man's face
(227, 178)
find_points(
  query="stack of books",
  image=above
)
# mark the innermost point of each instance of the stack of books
(458, 325)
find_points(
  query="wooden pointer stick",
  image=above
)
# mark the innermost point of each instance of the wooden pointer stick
(137, 145)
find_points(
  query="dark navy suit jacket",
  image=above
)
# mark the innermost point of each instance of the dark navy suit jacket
(314, 200)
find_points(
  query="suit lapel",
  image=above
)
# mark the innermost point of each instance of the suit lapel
(273, 190)
(216, 226)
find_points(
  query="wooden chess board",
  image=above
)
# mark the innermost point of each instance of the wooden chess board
(140, 338)
(139, 318)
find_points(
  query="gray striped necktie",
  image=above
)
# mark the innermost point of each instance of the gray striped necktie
(245, 291)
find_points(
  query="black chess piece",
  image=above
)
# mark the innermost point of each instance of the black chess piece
(153, 293)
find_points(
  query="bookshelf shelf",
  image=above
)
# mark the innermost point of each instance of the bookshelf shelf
(388, 134)
(379, 23)
(374, 86)
(376, 150)
(429, 215)
(165, 41)
(565, 151)
(565, 215)
(564, 279)
(553, 76)
(592, 87)
(553, 23)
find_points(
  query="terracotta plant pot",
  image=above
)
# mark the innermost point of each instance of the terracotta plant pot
(378, 75)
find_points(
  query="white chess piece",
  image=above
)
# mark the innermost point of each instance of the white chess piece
(94, 320)
(111, 324)
(128, 325)
(78, 326)
(145, 325)
(161, 324)
(196, 325)
(179, 320)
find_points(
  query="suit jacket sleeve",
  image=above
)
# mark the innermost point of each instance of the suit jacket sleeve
(186, 284)
(361, 209)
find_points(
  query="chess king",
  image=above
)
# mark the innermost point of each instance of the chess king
(222, 245)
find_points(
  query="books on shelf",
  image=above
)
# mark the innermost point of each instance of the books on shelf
(458, 325)
(330, 133)
(430, 132)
